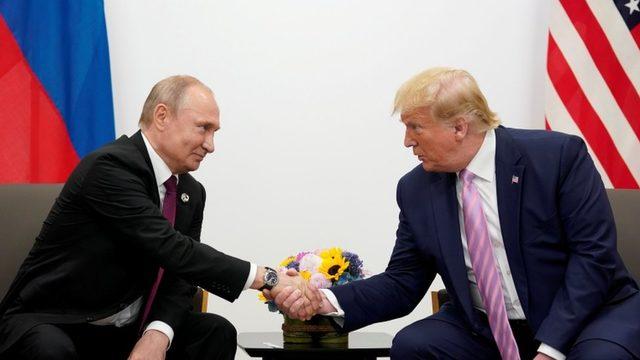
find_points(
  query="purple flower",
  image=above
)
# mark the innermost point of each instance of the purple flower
(355, 264)
(301, 255)
(294, 265)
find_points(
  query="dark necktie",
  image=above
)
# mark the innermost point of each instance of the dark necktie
(169, 212)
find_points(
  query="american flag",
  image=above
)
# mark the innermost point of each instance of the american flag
(593, 82)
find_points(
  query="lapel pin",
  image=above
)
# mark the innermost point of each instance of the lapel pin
(184, 197)
(514, 180)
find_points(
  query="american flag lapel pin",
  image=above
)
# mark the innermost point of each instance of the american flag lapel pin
(514, 179)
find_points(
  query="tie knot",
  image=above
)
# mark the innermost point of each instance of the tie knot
(171, 184)
(466, 176)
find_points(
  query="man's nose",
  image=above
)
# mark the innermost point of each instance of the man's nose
(408, 141)
(208, 144)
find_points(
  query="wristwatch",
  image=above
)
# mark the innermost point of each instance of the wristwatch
(270, 279)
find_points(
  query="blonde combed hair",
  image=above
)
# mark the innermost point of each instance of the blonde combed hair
(169, 91)
(448, 94)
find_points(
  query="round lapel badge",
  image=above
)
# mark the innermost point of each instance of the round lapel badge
(184, 197)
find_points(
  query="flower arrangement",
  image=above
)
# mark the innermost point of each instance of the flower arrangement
(323, 268)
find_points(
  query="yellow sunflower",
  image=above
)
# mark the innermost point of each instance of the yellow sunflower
(333, 267)
(305, 274)
(331, 253)
(287, 261)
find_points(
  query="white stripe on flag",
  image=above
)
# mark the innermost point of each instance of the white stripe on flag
(595, 88)
(560, 120)
(619, 37)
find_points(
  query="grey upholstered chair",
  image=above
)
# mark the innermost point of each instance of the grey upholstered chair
(23, 208)
(626, 211)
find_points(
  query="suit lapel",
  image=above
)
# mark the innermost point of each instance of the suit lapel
(509, 183)
(445, 210)
(137, 140)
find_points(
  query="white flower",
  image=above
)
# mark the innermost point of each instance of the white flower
(311, 263)
(320, 281)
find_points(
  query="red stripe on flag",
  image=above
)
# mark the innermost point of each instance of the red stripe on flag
(635, 33)
(546, 124)
(35, 144)
(606, 60)
(586, 118)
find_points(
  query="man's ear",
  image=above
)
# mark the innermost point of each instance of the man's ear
(460, 128)
(160, 116)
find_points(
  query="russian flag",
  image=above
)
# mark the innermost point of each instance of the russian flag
(55, 87)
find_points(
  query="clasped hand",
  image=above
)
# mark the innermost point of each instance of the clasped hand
(295, 297)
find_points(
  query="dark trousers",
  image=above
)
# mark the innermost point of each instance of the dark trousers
(432, 338)
(201, 336)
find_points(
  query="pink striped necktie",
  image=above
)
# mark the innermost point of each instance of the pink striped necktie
(484, 267)
(169, 212)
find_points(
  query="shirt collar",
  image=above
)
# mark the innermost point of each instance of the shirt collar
(483, 164)
(160, 168)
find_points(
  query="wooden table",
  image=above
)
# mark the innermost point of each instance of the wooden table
(270, 346)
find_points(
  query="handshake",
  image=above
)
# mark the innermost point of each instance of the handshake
(296, 297)
(299, 288)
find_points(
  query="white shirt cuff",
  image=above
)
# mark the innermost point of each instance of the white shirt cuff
(163, 327)
(334, 301)
(338, 315)
(549, 351)
(252, 276)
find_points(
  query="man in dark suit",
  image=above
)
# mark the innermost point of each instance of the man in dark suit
(517, 224)
(113, 270)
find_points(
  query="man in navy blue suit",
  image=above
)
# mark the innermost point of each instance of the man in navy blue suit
(552, 285)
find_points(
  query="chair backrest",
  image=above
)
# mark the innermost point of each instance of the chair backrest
(626, 212)
(23, 208)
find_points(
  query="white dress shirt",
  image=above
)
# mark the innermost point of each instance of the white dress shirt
(483, 166)
(131, 312)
